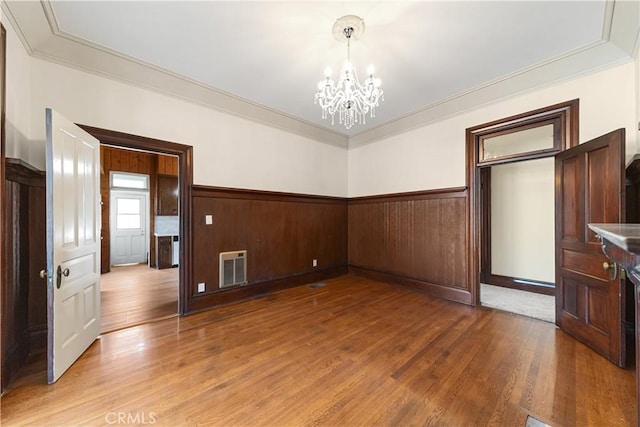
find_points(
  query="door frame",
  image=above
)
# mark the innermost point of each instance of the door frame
(185, 182)
(566, 112)
(147, 219)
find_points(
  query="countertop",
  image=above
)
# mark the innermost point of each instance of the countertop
(626, 236)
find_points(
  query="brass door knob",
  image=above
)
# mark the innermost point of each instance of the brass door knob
(610, 268)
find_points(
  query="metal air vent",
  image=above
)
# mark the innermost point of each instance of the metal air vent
(233, 268)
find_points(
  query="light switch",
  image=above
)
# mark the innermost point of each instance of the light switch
(201, 287)
(208, 219)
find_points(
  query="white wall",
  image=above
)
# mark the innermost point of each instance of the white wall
(18, 94)
(522, 220)
(433, 156)
(228, 151)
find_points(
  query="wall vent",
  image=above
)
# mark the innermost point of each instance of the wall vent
(233, 268)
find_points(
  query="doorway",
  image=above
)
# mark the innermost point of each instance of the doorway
(139, 284)
(183, 156)
(508, 144)
(518, 234)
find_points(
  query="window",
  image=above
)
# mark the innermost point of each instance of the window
(127, 213)
(132, 181)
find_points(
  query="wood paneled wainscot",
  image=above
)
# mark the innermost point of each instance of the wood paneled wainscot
(24, 303)
(282, 233)
(414, 239)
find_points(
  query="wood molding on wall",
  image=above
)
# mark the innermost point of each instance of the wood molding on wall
(281, 232)
(3, 269)
(416, 239)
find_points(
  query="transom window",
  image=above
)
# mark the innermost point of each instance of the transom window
(131, 181)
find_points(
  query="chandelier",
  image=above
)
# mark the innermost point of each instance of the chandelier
(350, 99)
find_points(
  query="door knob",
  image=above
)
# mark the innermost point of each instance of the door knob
(59, 273)
(43, 273)
(610, 268)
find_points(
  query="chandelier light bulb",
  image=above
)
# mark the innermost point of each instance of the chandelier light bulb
(347, 96)
(371, 70)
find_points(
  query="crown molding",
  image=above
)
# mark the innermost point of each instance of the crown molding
(37, 28)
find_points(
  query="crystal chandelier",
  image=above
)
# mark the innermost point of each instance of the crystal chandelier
(350, 99)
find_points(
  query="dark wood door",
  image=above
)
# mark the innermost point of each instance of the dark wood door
(590, 189)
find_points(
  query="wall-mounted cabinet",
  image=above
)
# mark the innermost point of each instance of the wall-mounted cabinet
(167, 195)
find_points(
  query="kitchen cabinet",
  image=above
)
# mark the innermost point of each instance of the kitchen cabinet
(164, 251)
(167, 186)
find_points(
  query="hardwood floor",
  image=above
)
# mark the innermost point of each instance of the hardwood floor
(135, 294)
(352, 352)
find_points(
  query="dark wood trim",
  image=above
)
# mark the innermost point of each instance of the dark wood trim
(558, 127)
(17, 170)
(3, 269)
(567, 111)
(185, 165)
(237, 193)
(536, 286)
(240, 293)
(433, 289)
(485, 251)
(412, 195)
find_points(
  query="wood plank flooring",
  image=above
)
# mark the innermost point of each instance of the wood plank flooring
(135, 294)
(352, 352)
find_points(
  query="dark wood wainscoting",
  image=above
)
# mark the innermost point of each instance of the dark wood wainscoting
(24, 302)
(282, 234)
(414, 239)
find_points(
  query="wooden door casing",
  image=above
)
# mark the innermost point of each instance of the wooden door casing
(590, 189)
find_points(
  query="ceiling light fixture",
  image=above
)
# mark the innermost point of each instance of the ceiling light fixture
(350, 99)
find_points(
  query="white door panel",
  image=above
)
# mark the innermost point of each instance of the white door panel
(73, 245)
(129, 240)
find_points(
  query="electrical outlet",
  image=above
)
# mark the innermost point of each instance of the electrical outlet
(208, 219)
(314, 263)
(201, 287)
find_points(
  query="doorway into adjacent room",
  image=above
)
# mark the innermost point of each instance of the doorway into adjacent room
(518, 270)
(511, 177)
(140, 231)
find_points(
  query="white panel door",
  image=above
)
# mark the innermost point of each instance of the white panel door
(73, 242)
(128, 227)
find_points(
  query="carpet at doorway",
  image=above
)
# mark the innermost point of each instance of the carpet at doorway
(520, 302)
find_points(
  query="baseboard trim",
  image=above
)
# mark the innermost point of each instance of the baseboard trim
(452, 294)
(227, 296)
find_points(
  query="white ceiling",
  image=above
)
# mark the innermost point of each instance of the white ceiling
(263, 59)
